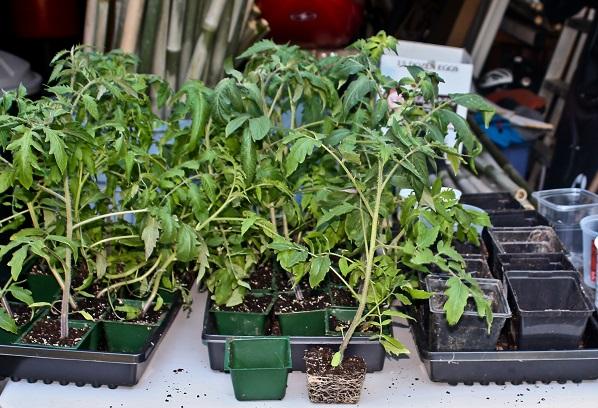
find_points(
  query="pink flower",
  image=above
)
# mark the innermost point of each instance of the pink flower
(394, 99)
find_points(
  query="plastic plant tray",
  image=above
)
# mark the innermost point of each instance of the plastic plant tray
(517, 219)
(492, 202)
(35, 363)
(370, 350)
(516, 367)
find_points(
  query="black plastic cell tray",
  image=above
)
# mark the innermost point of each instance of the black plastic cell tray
(517, 219)
(370, 350)
(81, 367)
(492, 202)
(516, 367)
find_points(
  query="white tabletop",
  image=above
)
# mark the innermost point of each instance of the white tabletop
(403, 382)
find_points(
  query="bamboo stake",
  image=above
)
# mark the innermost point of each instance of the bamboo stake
(159, 64)
(90, 22)
(188, 37)
(220, 47)
(149, 31)
(133, 18)
(101, 24)
(119, 16)
(175, 38)
(200, 52)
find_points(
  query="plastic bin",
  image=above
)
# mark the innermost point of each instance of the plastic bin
(566, 205)
(492, 202)
(550, 309)
(517, 219)
(589, 227)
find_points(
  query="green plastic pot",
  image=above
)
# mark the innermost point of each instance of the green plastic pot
(308, 323)
(126, 337)
(240, 323)
(258, 366)
(44, 288)
(10, 338)
(89, 341)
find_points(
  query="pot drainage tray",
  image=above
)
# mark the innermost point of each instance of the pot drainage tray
(512, 366)
(372, 352)
(34, 363)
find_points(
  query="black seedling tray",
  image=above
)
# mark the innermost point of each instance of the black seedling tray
(492, 202)
(517, 219)
(34, 363)
(516, 367)
(370, 350)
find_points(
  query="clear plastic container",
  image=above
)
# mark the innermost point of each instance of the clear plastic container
(566, 205)
(589, 227)
(571, 238)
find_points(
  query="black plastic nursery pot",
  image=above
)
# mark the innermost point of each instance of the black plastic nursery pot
(517, 219)
(232, 323)
(258, 366)
(469, 250)
(89, 364)
(531, 262)
(524, 241)
(492, 202)
(471, 332)
(550, 309)
(371, 350)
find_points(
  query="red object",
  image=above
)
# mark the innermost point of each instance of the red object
(522, 96)
(45, 18)
(313, 23)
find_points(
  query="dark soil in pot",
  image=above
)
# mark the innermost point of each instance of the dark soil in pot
(288, 303)
(251, 304)
(285, 283)
(97, 308)
(333, 385)
(152, 317)
(342, 297)
(46, 332)
(467, 248)
(262, 277)
(21, 313)
(341, 326)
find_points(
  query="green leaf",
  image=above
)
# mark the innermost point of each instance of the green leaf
(414, 71)
(457, 294)
(464, 133)
(393, 346)
(356, 92)
(288, 259)
(57, 148)
(64, 240)
(426, 236)
(24, 295)
(418, 293)
(319, 267)
(259, 127)
(396, 313)
(423, 256)
(16, 262)
(337, 358)
(86, 315)
(101, 264)
(257, 48)
(471, 101)
(23, 158)
(248, 223)
(91, 106)
(335, 212)
(159, 303)
(248, 156)
(186, 246)
(150, 235)
(298, 152)
(209, 186)
(235, 124)
(281, 244)
(7, 323)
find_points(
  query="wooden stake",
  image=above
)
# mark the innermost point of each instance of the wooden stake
(149, 32)
(133, 19)
(175, 39)
(101, 24)
(90, 22)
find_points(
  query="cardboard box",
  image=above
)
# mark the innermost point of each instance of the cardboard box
(452, 64)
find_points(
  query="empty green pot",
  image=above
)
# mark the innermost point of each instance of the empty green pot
(309, 323)
(258, 366)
